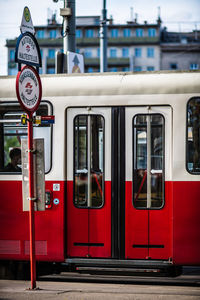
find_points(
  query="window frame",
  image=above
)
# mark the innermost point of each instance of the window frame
(186, 150)
(138, 52)
(89, 33)
(52, 33)
(139, 32)
(125, 52)
(103, 177)
(50, 112)
(126, 32)
(113, 53)
(114, 32)
(133, 164)
(150, 52)
(151, 32)
(40, 34)
(51, 53)
(79, 33)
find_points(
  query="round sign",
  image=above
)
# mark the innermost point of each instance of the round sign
(28, 88)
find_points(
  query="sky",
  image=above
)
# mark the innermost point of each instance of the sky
(177, 15)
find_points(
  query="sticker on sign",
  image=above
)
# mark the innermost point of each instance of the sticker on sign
(28, 88)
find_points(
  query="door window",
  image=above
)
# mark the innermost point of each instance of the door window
(88, 161)
(148, 161)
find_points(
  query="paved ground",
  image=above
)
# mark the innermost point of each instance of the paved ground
(70, 290)
(71, 286)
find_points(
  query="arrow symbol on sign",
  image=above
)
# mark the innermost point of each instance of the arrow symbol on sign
(75, 60)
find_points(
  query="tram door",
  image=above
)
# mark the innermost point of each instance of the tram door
(88, 182)
(148, 173)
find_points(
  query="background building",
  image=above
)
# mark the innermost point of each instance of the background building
(131, 46)
(180, 51)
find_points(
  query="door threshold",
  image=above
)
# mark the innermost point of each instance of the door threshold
(114, 263)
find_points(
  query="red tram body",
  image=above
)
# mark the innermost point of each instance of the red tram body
(122, 165)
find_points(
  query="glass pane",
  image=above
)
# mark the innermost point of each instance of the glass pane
(97, 127)
(11, 133)
(80, 159)
(148, 142)
(157, 155)
(140, 162)
(193, 136)
(88, 160)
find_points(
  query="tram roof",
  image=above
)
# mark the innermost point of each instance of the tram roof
(126, 83)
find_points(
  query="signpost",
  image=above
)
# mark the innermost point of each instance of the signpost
(29, 93)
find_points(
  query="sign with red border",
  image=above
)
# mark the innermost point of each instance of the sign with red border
(28, 88)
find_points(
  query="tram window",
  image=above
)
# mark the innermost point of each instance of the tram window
(148, 161)
(88, 161)
(193, 136)
(12, 131)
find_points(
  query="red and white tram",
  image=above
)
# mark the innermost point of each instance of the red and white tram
(122, 165)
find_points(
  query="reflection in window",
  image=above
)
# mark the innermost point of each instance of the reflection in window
(12, 131)
(148, 162)
(193, 136)
(88, 161)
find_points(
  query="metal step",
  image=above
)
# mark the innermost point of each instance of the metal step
(117, 263)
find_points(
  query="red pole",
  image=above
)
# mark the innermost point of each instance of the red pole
(31, 202)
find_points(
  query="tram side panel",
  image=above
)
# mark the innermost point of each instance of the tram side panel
(14, 222)
(186, 182)
(186, 233)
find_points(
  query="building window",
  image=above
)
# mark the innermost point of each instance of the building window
(150, 52)
(150, 68)
(125, 69)
(125, 52)
(50, 70)
(98, 52)
(89, 33)
(52, 34)
(114, 32)
(194, 66)
(90, 70)
(88, 53)
(126, 32)
(51, 53)
(114, 69)
(137, 68)
(12, 55)
(138, 52)
(12, 72)
(173, 66)
(113, 52)
(139, 32)
(79, 33)
(151, 32)
(40, 34)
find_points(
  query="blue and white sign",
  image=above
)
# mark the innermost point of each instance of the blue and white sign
(27, 50)
(75, 62)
